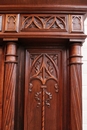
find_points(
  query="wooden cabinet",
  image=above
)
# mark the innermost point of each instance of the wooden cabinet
(40, 65)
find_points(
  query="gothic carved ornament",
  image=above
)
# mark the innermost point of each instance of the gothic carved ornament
(43, 22)
(17, 23)
(77, 23)
(12, 23)
(44, 67)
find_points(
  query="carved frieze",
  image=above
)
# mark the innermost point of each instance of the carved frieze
(42, 22)
(12, 23)
(76, 23)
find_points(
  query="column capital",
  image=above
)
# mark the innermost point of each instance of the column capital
(75, 56)
(11, 52)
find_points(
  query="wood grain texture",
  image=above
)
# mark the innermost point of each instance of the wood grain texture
(43, 99)
(9, 87)
(76, 97)
(76, 86)
(1, 83)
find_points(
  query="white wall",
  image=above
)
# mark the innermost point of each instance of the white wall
(84, 80)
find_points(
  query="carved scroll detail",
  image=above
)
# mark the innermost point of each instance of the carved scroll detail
(44, 67)
(43, 22)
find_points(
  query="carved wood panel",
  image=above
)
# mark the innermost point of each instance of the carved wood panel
(42, 22)
(77, 23)
(43, 90)
(12, 23)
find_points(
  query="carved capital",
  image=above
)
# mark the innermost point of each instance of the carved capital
(11, 56)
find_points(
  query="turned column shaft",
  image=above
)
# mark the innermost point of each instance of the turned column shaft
(9, 86)
(76, 86)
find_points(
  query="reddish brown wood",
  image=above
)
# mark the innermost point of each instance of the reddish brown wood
(9, 87)
(1, 82)
(76, 86)
(44, 89)
(43, 28)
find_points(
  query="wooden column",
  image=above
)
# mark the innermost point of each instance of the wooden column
(9, 86)
(76, 86)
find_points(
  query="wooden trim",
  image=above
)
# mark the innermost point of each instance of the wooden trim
(37, 8)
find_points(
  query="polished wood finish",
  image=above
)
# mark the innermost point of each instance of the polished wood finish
(40, 75)
(44, 89)
(1, 82)
(76, 86)
(9, 86)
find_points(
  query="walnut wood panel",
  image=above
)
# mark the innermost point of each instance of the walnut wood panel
(44, 90)
(76, 86)
(1, 83)
(9, 87)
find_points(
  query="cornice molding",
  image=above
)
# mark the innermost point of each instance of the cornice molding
(43, 8)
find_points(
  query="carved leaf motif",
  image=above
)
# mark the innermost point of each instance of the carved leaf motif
(38, 98)
(45, 68)
(56, 88)
(48, 99)
(30, 87)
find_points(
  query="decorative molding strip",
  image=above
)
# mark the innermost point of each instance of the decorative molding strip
(42, 22)
(0, 23)
(77, 23)
(12, 23)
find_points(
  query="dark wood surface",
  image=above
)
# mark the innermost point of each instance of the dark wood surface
(40, 2)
